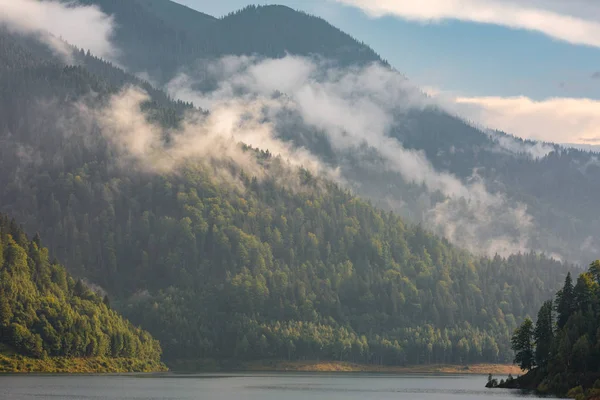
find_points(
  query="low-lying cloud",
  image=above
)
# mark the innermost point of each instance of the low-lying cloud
(214, 137)
(358, 108)
(575, 22)
(55, 23)
(513, 145)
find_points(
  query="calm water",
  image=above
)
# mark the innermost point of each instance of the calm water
(250, 387)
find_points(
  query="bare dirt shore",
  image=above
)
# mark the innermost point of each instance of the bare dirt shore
(326, 366)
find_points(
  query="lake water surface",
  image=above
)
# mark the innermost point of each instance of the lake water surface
(288, 386)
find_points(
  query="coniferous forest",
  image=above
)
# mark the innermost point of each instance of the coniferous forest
(561, 351)
(261, 260)
(44, 312)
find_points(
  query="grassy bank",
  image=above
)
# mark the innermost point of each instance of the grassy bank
(21, 364)
(335, 366)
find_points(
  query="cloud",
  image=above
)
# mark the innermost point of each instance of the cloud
(214, 138)
(596, 75)
(576, 22)
(558, 120)
(86, 27)
(592, 140)
(357, 108)
(516, 146)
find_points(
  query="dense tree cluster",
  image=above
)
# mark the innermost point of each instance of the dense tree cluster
(45, 312)
(563, 350)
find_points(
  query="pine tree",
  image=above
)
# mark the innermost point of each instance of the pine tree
(565, 302)
(523, 346)
(543, 334)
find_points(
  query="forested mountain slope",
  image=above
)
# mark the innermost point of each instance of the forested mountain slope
(221, 260)
(44, 312)
(558, 186)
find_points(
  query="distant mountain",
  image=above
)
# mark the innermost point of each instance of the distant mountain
(159, 37)
(238, 259)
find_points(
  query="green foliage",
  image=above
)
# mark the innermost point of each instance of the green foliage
(544, 334)
(570, 358)
(523, 346)
(565, 302)
(72, 365)
(44, 312)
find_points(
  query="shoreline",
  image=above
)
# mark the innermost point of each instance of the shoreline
(208, 366)
(18, 364)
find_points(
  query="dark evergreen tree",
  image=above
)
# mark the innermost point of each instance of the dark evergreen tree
(565, 302)
(544, 334)
(523, 345)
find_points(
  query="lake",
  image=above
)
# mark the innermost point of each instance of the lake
(275, 386)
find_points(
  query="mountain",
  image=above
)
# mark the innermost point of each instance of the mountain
(235, 253)
(160, 37)
(44, 312)
(556, 186)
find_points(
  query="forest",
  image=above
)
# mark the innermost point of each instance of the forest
(45, 312)
(249, 268)
(561, 351)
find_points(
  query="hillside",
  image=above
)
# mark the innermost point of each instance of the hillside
(242, 256)
(52, 319)
(558, 187)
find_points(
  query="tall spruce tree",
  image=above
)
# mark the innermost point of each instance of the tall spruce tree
(543, 334)
(565, 302)
(523, 345)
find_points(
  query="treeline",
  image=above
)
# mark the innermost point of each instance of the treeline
(562, 349)
(45, 312)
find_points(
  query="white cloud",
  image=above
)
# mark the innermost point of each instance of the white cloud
(85, 27)
(210, 137)
(573, 21)
(558, 120)
(513, 145)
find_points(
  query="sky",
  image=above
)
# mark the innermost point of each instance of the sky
(528, 67)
